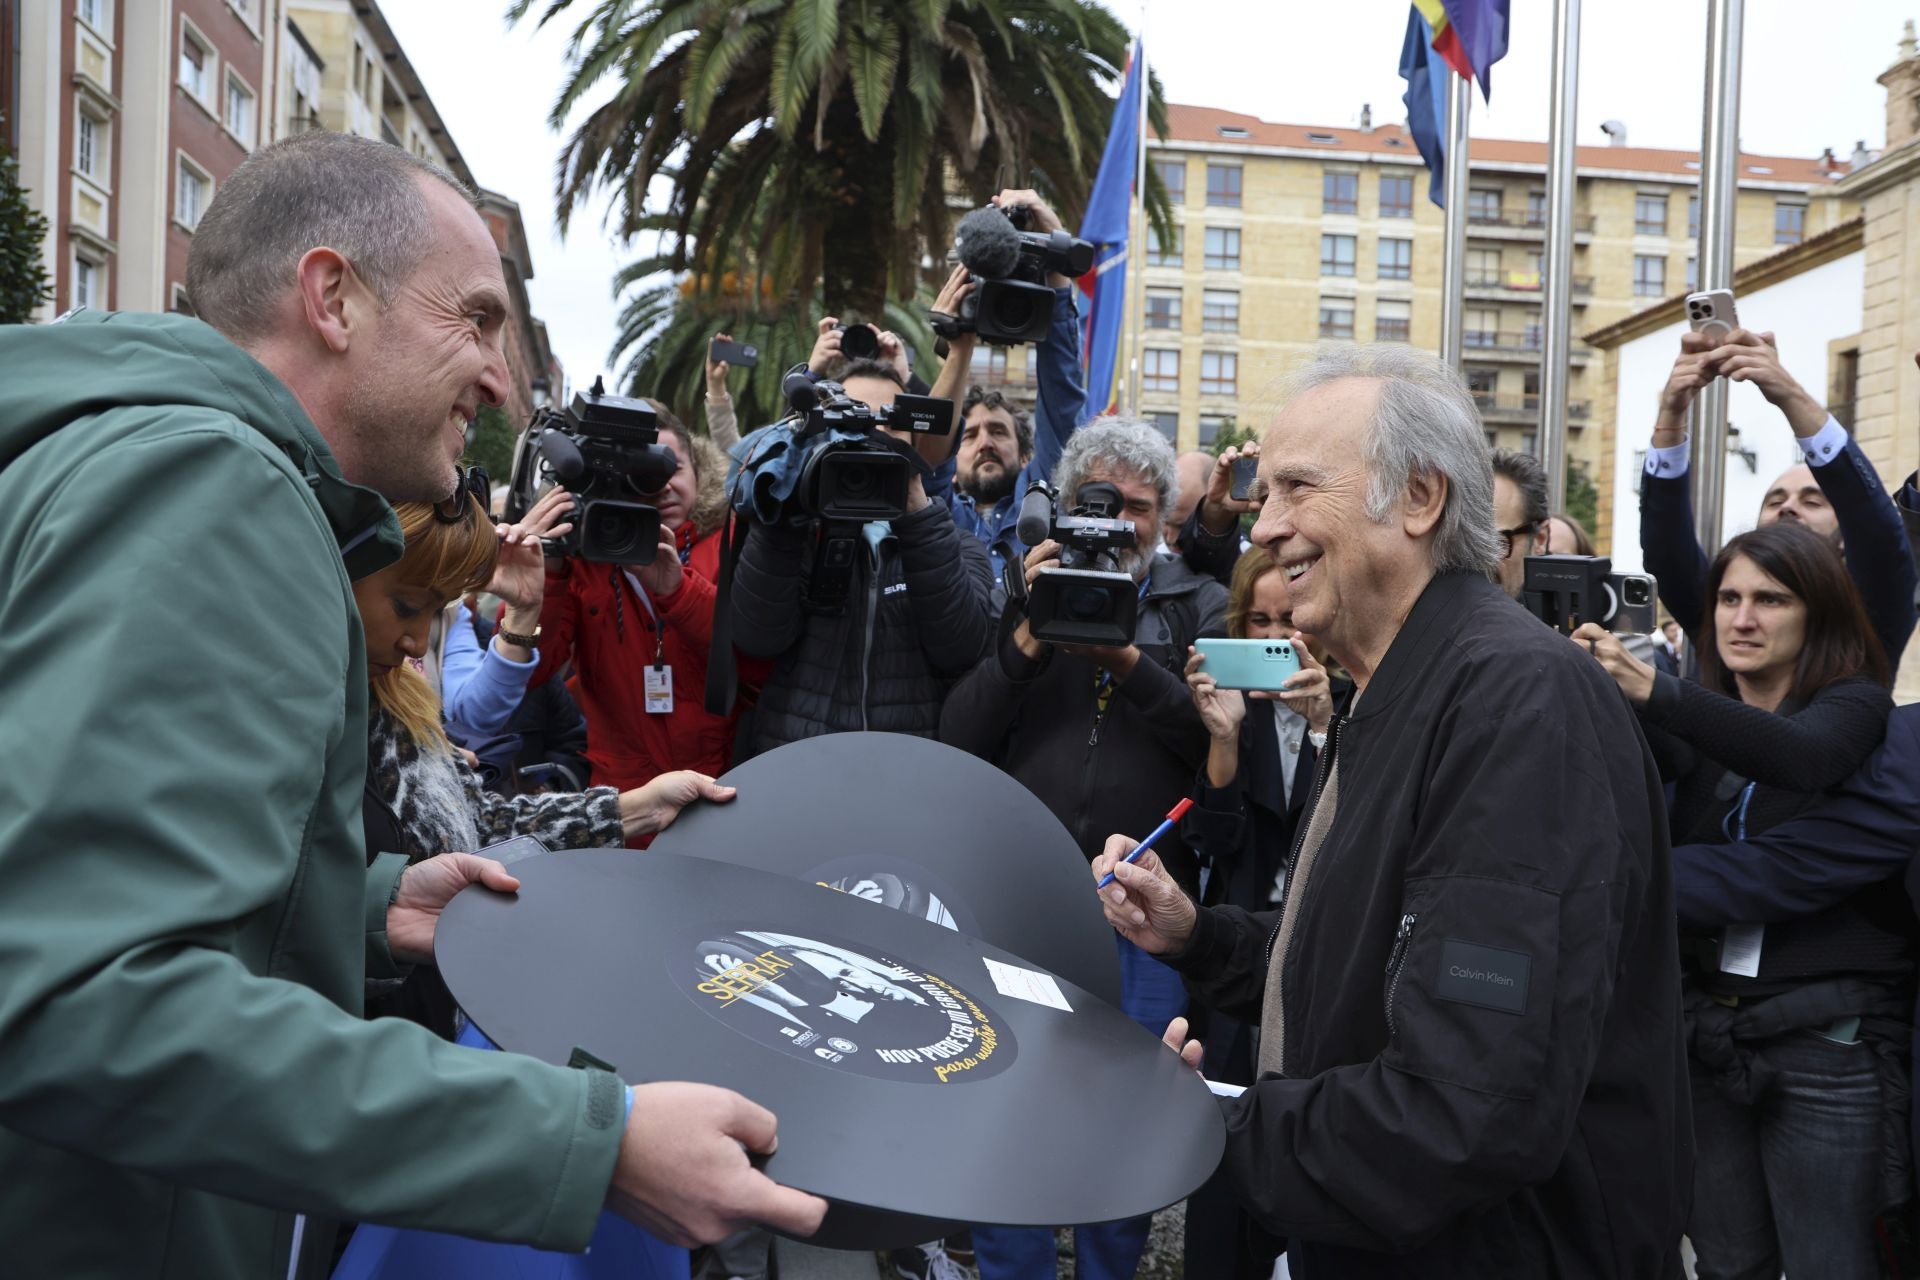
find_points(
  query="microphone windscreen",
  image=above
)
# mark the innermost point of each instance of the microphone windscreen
(563, 455)
(800, 391)
(1036, 518)
(987, 244)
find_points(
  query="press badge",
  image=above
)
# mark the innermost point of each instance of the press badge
(659, 690)
(1740, 949)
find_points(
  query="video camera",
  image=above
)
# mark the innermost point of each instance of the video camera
(1086, 598)
(1566, 591)
(606, 450)
(1012, 303)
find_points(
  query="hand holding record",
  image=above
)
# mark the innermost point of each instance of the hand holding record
(1144, 903)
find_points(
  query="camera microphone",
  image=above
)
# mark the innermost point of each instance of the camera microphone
(563, 456)
(801, 391)
(987, 244)
(1036, 515)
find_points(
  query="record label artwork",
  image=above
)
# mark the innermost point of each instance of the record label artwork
(833, 1004)
(892, 882)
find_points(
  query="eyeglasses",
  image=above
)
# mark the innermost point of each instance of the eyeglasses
(452, 510)
(1507, 536)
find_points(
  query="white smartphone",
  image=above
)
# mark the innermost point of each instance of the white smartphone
(1711, 312)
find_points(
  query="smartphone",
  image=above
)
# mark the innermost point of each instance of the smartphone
(1244, 470)
(1248, 664)
(741, 355)
(514, 849)
(1711, 312)
(1634, 611)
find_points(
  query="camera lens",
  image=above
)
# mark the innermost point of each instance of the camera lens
(859, 342)
(1636, 592)
(613, 531)
(1084, 604)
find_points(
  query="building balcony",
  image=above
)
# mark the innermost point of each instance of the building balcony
(1518, 346)
(1523, 226)
(1519, 286)
(388, 133)
(1524, 410)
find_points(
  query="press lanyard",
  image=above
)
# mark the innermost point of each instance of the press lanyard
(659, 638)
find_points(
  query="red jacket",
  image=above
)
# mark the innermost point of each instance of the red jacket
(594, 617)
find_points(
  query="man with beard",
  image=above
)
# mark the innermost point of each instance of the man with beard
(1000, 453)
(1108, 739)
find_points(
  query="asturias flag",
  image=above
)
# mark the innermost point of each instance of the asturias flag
(1109, 216)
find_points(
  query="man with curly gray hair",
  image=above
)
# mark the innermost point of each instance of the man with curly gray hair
(1109, 739)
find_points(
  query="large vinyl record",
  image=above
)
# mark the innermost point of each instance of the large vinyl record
(921, 826)
(922, 1078)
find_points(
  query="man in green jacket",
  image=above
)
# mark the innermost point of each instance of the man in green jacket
(187, 917)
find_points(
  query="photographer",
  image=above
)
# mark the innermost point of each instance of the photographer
(1000, 451)
(1209, 538)
(911, 614)
(1837, 493)
(1108, 739)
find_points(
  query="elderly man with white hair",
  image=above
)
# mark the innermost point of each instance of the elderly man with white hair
(1470, 1058)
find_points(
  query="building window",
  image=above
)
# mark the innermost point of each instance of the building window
(90, 147)
(1223, 249)
(1173, 176)
(1220, 311)
(1392, 320)
(1219, 373)
(1649, 215)
(1789, 222)
(1336, 255)
(192, 190)
(1211, 425)
(1693, 275)
(87, 283)
(1396, 259)
(1846, 386)
(1536, 208)
(1336, 317)
(1223, 185)
(1163, 308)
(1160, 370)
(1649, 276)
(1167, 424)
(1693, 217)
(359, 71)
(1530, 390)
(1339, 192)
(1481, 384)
(1483, 268)
(196, 60)
(97, 14)
(1396, 195)
(1481, 327)
(1163, 255)
(244, 8)
(181, 306)
(239, 116)
(1483, 204)
(996, 370)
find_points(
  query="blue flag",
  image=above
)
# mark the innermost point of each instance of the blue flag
(1427, 78)
(1480, 33)
(1109, 215)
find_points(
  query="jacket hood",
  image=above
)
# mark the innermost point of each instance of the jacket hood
(710, 492)
(96, 361)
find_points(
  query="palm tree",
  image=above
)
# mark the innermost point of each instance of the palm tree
(861, 118)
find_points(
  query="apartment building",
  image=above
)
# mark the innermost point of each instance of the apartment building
(1288, 236)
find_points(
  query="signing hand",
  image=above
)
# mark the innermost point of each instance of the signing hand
(426, 888)
(520, 574)
(1143, 902)
(645, 810)
(1634, 677)
(1221, 710)
(683, 1172)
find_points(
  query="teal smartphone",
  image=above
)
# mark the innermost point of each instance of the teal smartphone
(1248, 664)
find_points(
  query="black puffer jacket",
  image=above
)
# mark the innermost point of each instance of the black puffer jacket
(912, 622)
(1100, 771)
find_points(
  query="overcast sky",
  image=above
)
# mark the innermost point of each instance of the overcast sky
(1808, 83)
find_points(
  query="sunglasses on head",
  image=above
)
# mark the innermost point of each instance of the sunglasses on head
(452, 510)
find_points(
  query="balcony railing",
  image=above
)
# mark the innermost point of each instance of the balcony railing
(1524, 407)
(1523, 282)
(1582, 222)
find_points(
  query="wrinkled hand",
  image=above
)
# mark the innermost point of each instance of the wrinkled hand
(683, 1172)
(717, 369)
(1191, 1051)
(1219, 509)
(1221, 710)
(826, 347)
(645, 810)
(664, 575)
(426, 888)
(1634, 677)
(520, 574)
(1310, 693)
(1752, 357)
(1144, 903)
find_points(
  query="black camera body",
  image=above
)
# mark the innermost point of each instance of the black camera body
(1567, 591)
(850, 470)
(1012, 303)
(858, 341)
(1086, 598)
(606, 450)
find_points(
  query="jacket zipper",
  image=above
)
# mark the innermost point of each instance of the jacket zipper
(1324, 768)
(1394, 961)
(866, 646)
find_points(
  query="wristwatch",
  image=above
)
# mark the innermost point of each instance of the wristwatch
(525, 642)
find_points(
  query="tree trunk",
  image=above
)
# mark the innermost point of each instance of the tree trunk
(860, 236)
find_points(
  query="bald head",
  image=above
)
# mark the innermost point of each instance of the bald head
(1191, 473)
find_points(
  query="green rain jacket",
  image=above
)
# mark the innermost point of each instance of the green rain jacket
(187, 917)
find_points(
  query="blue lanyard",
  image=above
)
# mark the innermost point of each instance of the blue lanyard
(1106, 677)
(1739, 812)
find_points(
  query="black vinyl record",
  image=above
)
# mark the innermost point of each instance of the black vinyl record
(922, 1078)
(921, 826)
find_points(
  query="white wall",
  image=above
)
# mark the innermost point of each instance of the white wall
(1805, 313)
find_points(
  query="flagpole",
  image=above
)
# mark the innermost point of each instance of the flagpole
(1137, 235)
(1719, 190)
(1557, 288)
(1453, 272)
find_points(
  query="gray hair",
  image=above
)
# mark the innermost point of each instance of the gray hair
(1119, 444)
(1425, 424)
(354, 195)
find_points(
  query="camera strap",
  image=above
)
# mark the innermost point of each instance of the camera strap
(723, 670)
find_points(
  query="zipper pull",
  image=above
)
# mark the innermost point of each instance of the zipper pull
(1400, 941)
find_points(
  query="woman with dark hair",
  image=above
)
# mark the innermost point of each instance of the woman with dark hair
(1794, 1030)
(1567, 536)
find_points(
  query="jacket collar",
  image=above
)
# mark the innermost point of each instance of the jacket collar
(1440, 613)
